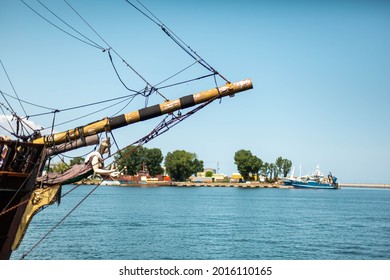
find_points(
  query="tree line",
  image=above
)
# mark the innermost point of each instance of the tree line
(250, 166)
(180, 164)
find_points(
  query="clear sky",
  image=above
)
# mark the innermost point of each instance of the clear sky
(320, 69)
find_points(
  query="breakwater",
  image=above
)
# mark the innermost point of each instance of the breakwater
(360, 185)
(229, 185)
(268, 185)
(185, 184)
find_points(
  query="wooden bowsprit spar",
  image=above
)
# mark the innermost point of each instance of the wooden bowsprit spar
(109, 124)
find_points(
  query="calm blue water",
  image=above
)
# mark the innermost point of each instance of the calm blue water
(214, 223)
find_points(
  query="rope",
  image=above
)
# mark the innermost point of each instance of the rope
(89, 114)
(24, 202)
(6, 117)
(186, 48)
(72, 189)
(21, 186)
(117, 74)
(13, 207)
(142, 11)
(187, 81)
(153, 89)
(56, 26)
(94, 43)
(58, 223)
(177, 73)
(109, 47)
(5, 71)
(54, 120)
(23, 101)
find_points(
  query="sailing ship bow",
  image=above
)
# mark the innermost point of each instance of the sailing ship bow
(21, 196)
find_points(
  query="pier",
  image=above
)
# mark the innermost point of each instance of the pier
(228, 185)
(360, 185)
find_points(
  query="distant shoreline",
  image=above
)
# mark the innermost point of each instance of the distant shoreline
(360, 185)
(236, 185)
(270, 185)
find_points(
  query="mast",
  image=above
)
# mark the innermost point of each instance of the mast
(108, 124)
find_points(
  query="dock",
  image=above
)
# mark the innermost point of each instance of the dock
(362, 185)
(228, 185)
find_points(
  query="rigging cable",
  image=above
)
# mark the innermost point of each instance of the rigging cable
(56, 26)
(26, 102)
(6, 117)
(96, 44)
(109, 46)
(89, 114)
(5, 71)
(19, 121)
(187, 81)
(186, 48)
(116, 72)
(9, 105)
(85, 105)
(177, 73)
(92, 43)
(123, 107)
(59, 223)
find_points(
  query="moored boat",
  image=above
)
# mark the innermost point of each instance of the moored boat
(315, 181)
(313, 184)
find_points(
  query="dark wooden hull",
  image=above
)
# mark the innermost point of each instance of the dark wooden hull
(18, 173)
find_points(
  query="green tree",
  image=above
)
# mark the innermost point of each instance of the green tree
(60, 167)
(264, 169)
(241, 159)
(153, 159)
(273, 171)
(256, 164)
(180, 165)
(283, 166)
(76, 160)
(247, 164)
(270, 171)
(209, 174)
(286, 167)
(279, 165)
(133, 158)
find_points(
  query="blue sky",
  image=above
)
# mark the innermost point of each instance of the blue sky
(320, 69)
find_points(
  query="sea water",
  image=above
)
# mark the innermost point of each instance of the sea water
(213, 223)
